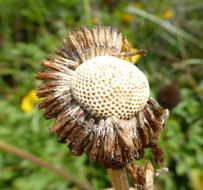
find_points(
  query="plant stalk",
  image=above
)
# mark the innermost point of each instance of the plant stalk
(87, 12)
(18, 152)
(118, 179)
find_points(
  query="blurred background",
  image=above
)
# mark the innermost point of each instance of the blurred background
(171, 31)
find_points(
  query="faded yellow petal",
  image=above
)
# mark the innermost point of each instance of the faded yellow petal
(135, 58)
(123, 46)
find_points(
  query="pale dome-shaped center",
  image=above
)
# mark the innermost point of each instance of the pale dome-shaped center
(108, 86)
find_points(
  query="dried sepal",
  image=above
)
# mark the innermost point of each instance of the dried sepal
(143, 176)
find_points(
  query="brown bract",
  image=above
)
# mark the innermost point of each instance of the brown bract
(111, 140)
(143, 177)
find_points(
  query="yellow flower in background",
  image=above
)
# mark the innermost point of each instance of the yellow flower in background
(135, 58)
(137, 5)
(28, 101)
(95, 20)
(167, 14)
(127, 18)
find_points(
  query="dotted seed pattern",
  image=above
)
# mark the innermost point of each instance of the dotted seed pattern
(108, 86)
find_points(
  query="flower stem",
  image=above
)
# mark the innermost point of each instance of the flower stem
(118, 179)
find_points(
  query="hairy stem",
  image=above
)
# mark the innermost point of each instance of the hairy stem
(37, 161)
(118, 179)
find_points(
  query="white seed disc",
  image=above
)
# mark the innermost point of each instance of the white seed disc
(108, 86)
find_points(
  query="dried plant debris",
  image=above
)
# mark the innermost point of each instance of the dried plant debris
(101, 103)
(143, 177)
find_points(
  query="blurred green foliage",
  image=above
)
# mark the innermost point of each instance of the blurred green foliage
(31, 29)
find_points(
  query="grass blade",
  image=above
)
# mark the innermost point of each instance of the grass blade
(166, 25)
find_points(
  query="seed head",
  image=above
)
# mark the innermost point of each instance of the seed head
(108, 86)
(169, 96)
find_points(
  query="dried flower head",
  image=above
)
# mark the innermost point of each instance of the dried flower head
(101, 103)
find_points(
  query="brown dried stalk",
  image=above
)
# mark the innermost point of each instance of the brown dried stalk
(11, 149)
